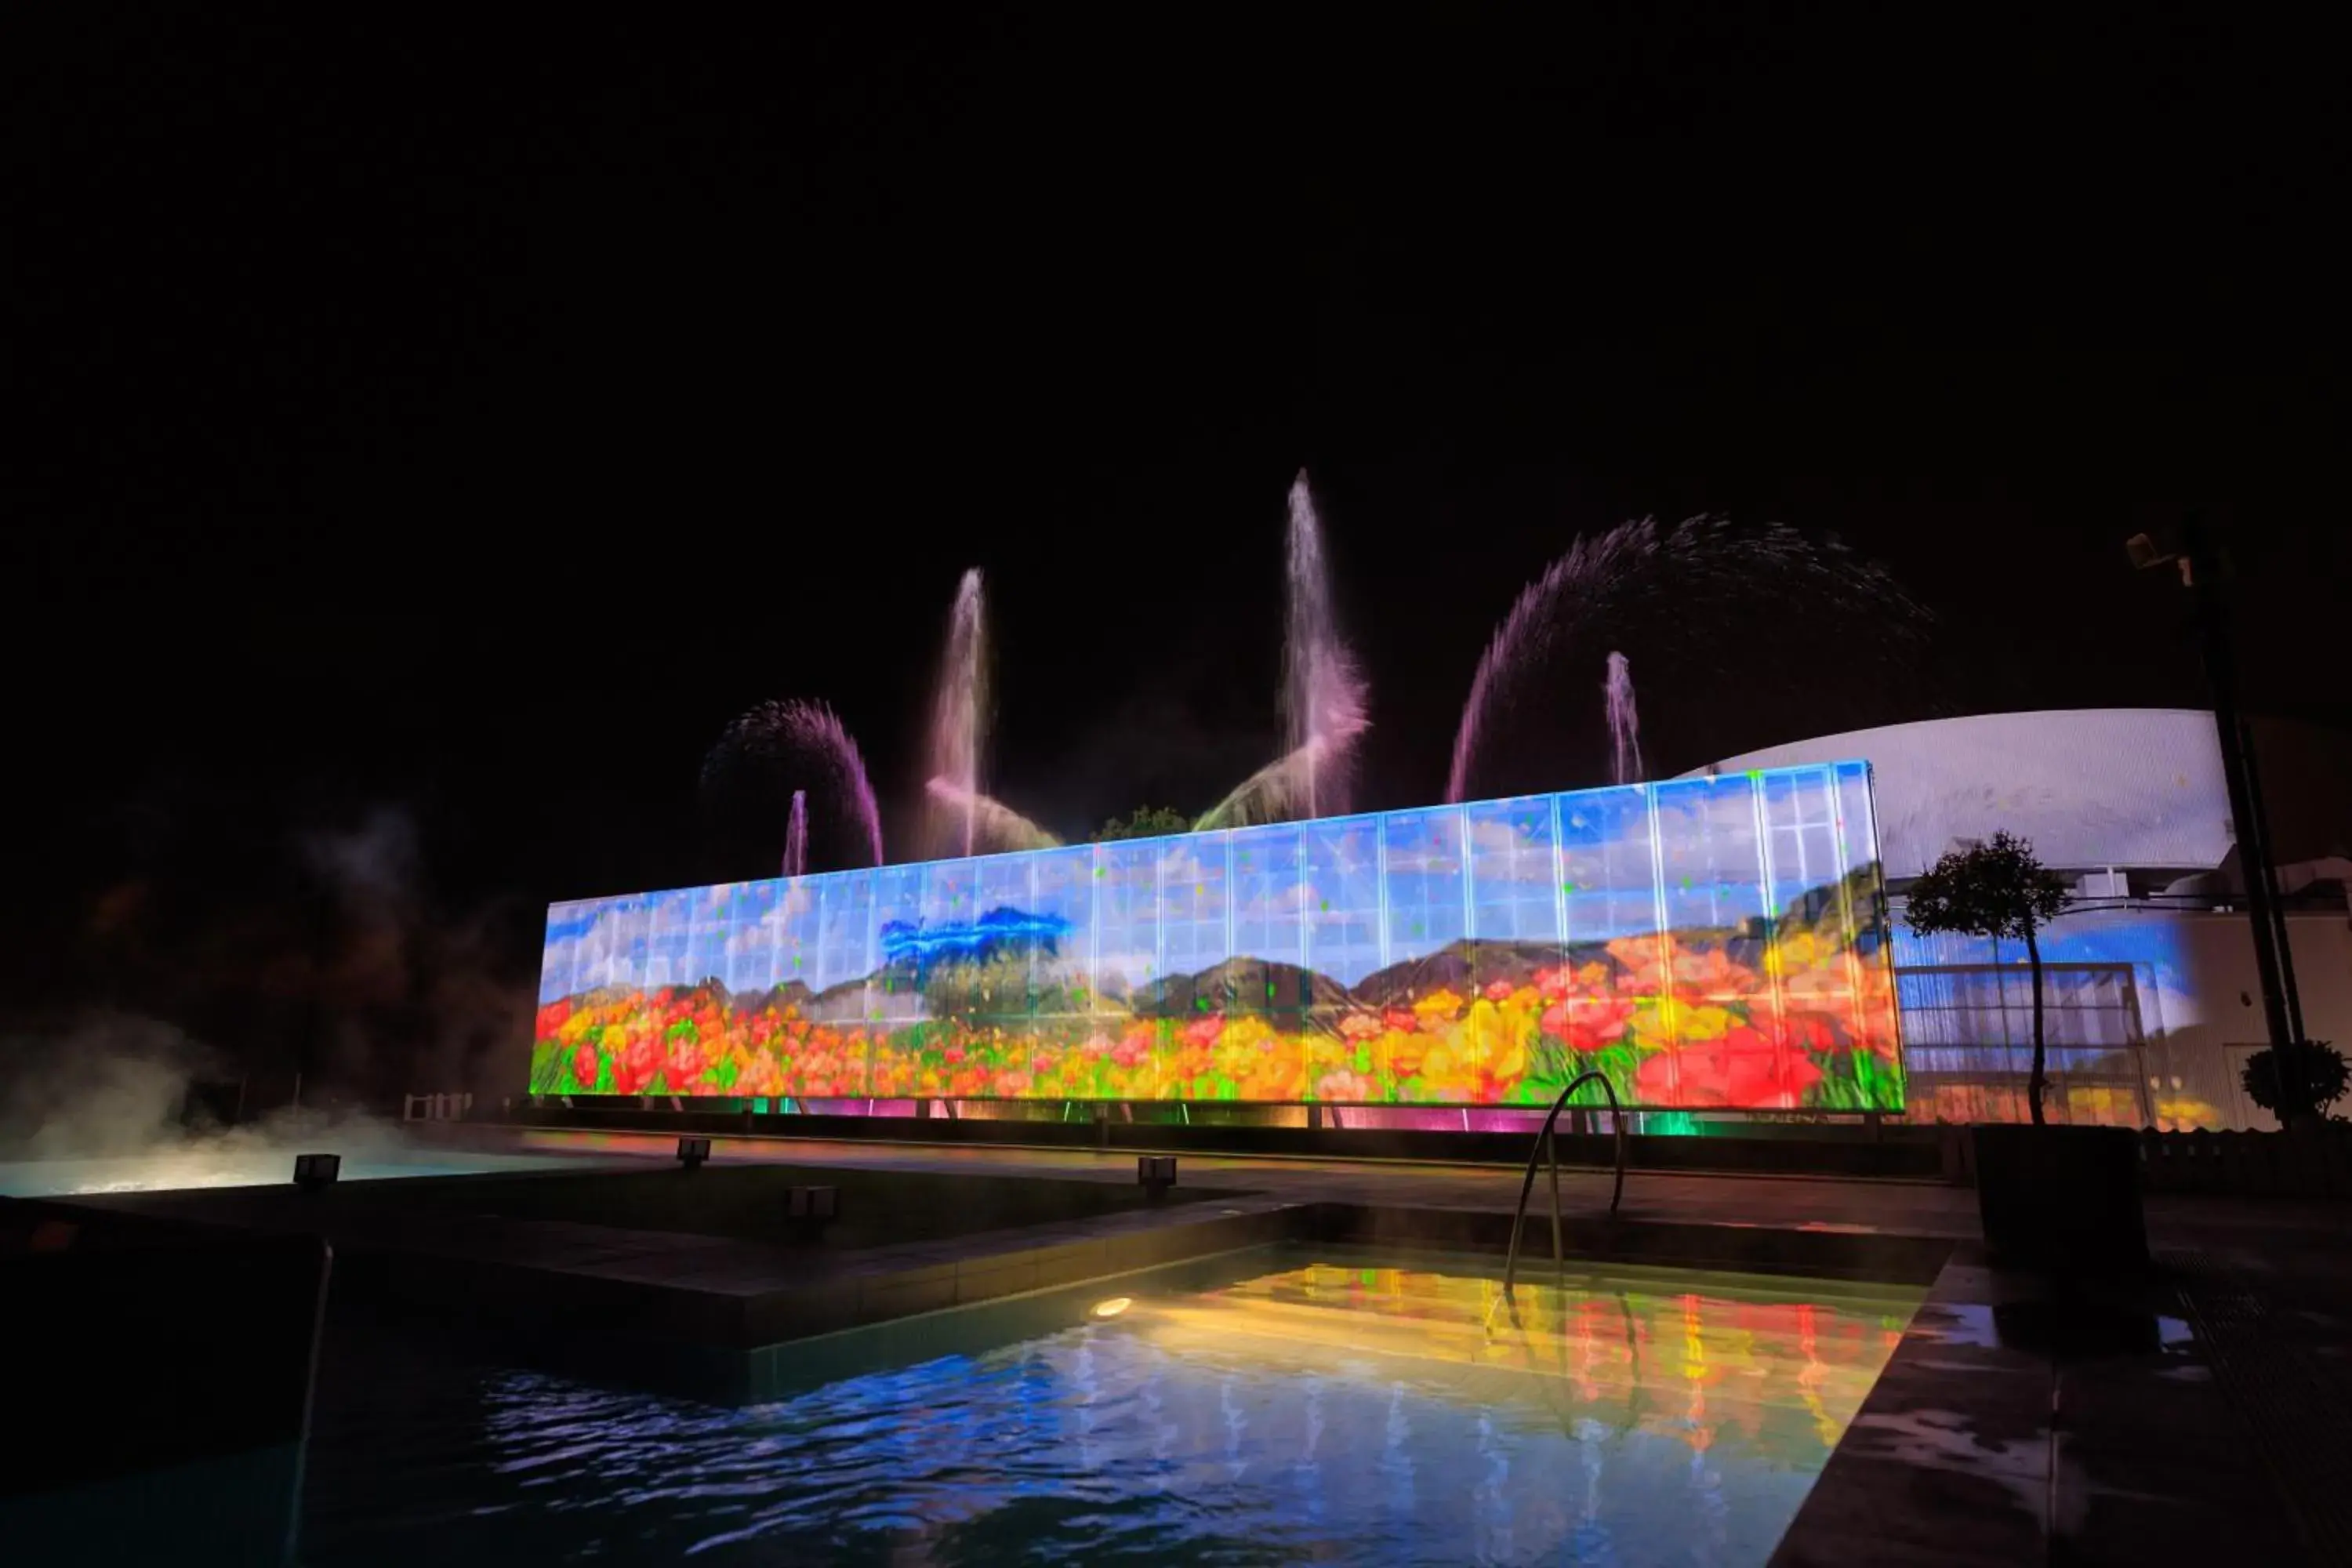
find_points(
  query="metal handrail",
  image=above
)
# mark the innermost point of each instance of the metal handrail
(1543, 1139)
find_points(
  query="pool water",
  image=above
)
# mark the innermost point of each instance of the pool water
(1275, 1406)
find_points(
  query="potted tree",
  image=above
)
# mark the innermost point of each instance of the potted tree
(2298, 1082)
(2055, 1197)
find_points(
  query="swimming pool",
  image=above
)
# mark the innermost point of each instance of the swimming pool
(1272, 1407)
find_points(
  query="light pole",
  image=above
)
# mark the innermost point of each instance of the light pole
(2202, 570)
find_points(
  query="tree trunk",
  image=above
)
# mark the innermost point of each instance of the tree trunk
(2038, 1081)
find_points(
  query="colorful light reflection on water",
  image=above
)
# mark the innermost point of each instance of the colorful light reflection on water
(1334, 1411)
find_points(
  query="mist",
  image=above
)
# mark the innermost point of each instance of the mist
(324, 979)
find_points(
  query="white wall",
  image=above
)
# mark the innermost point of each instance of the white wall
(2200, 1005)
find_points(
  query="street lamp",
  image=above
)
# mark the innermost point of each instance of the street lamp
(2203, 568)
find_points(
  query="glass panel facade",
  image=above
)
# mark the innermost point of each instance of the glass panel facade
(1702, 942)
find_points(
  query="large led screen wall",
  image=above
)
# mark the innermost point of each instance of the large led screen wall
(1705, 942)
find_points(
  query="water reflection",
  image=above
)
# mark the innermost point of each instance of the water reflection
(1328, 1411)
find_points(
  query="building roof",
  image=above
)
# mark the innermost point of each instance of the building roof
(2130, 788)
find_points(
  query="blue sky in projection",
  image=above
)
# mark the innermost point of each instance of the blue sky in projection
(1344, 897)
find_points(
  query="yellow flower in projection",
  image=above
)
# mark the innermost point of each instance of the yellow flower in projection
(1662, 1024)
(1797, 953)
(577, 1025)
(1490, 1035)
(2184, 1113)
(1437, 1005)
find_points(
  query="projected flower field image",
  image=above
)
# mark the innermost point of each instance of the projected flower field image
(1703, 943)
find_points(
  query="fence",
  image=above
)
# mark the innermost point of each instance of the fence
(2311, 1163)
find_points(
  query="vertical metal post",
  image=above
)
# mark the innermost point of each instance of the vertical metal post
(2204, 573)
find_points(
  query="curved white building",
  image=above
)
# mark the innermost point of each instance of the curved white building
(2093, 788)
(2152, 999)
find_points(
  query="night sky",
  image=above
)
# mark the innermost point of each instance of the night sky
(426, 433)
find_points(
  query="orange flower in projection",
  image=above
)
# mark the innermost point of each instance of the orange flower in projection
(1559, 984)
(1437, 1009)
(1497, 991)
(1406, 1052)
(1650, 963)
(1346, 1086)
(1857, 993)
(760, 1075)
(1741, 1069)
(1360, 1026)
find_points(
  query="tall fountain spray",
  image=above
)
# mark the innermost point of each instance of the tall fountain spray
(1323, 697)
(1701, 570)
(993, 825)
(1625, 723)
(796, 836)
(960, 725)
(799, 731)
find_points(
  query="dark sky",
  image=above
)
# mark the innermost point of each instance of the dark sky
(471, 415)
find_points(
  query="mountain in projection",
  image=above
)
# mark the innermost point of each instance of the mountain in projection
(1464, 966)
(1238, 985)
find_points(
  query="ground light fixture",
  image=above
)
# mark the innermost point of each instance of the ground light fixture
(315, 1171)
(693, 1151)
(1112, 1308)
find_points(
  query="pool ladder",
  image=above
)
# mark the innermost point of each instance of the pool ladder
(1543, 1140)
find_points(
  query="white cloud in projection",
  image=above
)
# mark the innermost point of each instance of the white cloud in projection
(1344, 896)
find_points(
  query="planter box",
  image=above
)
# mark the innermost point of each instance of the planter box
(2061, 1198)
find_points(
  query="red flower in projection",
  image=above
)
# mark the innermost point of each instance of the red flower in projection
(583, 1066)
(1741, 1069)
(685, 1061)
(552, 1018)
(1204, 1031)
(1498, 991)
(1807, 1032)
(634, 1065)
(1588, 1024)
(1403, 1018)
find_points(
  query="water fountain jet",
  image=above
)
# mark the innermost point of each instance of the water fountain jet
(1624, 723)
(960, 723)
(1702, 570)
(773, 731)
(1323, 697)
(796, 836)
(990, 821)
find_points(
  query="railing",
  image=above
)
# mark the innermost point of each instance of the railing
(1543, 1140)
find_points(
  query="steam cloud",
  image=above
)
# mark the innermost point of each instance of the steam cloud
(352, 975)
